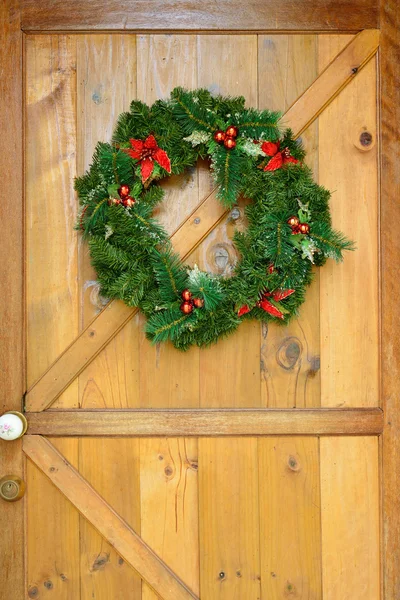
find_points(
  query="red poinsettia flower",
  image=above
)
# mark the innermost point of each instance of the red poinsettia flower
(266, 305)
(279, 157)
(146, 152)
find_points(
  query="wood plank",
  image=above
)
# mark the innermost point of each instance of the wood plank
(350, 518)
(226, 15)
(349, 328)
(390, 288)
(105, 63)
(102, 516)
(290, 521)
(112, 467)
(168, 466)
(111, 320)
(228, 66)
(51, 242)
(229, 519)
(12, 355)
(208, 422)
(52, 534)
(165, 379)
(169, 505)
(334, 78)
(51, 293)
(290, 356)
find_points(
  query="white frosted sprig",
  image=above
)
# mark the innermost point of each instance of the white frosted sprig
(198, 137)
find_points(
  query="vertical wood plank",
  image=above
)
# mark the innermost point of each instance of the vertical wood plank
(228, 65)
(229, 520)
(349, 291)
(290, 522)
(168, 377)
(12, 357)
(51, 292)
(111, 466)
(350, 518)
(169, 485)
(390, 282)
(229, 374)
(52, 533)
(290, 356)
(51, 242)
(106, 84)
(169, 500)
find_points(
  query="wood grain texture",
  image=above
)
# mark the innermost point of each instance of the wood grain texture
(188, 15)
(168, 474)
(334, 78)
(12, 355)
(106, 84)
(102, 516)
(51, 242)
(208, 422)
(390, 283)
(169, 505)
(228, 66)
(112, 467)
(350, 518)
(229, 519)
(349, 327)
(52, 534)
(290, 522)
(290, 356)
(167, 377)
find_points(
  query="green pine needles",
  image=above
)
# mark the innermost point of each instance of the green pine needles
(289, 227)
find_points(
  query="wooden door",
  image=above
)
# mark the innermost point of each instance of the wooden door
(265, 466)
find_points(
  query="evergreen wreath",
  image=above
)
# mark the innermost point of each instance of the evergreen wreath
(289, 226)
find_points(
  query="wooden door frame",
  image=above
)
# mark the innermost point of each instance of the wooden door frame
(19, 17)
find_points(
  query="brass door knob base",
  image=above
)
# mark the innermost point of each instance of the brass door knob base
(12, 488)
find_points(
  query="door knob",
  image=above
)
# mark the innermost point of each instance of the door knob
(12, 488)
(13, 425)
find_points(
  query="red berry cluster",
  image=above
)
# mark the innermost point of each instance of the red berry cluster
(227, 137)
(124, 197)
(189, 303)
(298, 227)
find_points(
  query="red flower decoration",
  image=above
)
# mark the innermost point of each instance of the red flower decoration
(279, 157)
(266, 305)
(146, 152)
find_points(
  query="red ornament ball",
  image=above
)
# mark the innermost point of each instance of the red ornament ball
(198, 302)
(232, 131)
(219, 136)
(186, 295)
(294, 222)
(124, 190)
(128, 201)
(229, 143)
(186, 308)
(271, 269)
(304, 228)
(114, 201)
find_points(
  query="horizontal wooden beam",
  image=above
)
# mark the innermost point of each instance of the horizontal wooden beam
(207, 422)
(197, 226)
(107, 522)
(195, 15)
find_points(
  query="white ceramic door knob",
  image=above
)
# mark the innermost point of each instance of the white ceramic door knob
(12, 426)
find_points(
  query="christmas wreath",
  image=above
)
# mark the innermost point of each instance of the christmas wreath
(289, 226)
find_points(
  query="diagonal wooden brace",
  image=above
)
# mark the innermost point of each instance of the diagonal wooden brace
(198, 225)
(165, 583)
